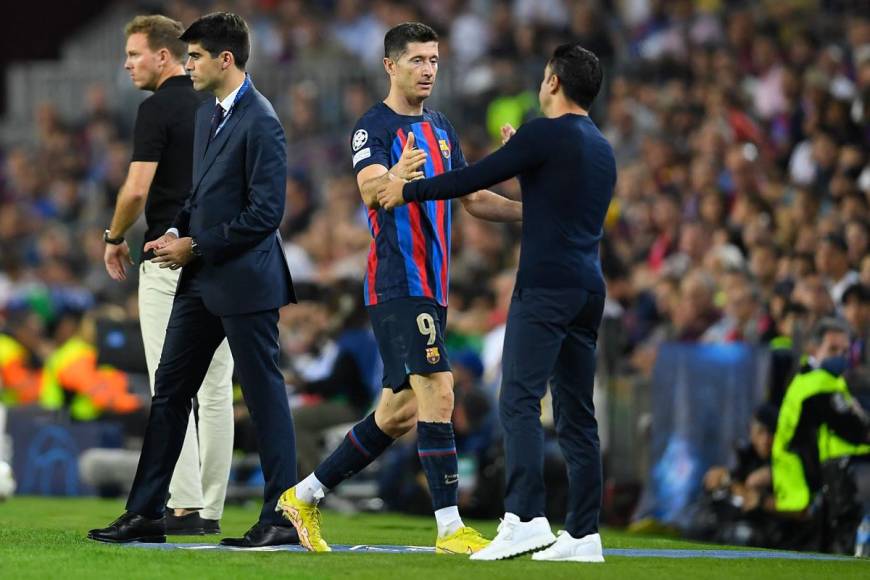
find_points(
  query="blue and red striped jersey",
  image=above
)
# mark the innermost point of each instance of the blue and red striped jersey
(410, 249)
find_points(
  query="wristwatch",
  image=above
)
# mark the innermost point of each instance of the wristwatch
(113, 241)
(194, 248)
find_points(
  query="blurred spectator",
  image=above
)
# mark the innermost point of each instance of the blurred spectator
(811, 293)
(856, 312)
(359, 32)
(22, 349)
(763, 260)
(832, 262)
(744, 319)
(695, 312)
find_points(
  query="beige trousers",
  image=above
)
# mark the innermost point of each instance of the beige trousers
(202, 472)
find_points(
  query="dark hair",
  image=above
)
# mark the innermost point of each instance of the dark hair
(807, 258)
(854, 194)
(397, 38)
(770, 247)
(837, 241)
(858, 291)
(221, 31)
(161, 32)
(579, 72)
(767, 415)
(795, 308)
(828, 325)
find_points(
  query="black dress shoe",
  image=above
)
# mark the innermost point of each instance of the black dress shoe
(262, 534)
(211, 527)
(131, 527)
(187, 525)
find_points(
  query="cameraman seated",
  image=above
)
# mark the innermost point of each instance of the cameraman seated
(732, 511)
(821, 444)
(749, 480)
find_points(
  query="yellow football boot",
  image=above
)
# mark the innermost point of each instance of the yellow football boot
(465, 541)
(305, 517)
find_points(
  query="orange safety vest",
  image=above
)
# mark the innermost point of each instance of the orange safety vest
(73, 368)
(19, 384)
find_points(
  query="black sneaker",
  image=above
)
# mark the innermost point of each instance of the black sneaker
(188, 525)
(211, 527)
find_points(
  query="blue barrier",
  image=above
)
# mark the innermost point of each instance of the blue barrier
(703, 397)
(46, 450)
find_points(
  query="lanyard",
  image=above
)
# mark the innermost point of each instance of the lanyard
(246, 84)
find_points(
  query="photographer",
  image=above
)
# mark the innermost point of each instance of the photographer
(735, 505)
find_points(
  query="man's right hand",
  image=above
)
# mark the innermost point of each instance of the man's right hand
(411, 160)
(716, 478)
(117, 257)
(160, 242)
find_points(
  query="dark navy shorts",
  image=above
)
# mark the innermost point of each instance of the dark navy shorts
(410, 336)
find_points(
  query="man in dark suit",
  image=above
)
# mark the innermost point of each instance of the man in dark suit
(235, 278)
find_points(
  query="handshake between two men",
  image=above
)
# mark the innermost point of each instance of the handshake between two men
(408, 168)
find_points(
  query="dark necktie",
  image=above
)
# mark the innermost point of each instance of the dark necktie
(216, 120)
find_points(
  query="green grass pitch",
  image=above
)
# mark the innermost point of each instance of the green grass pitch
(45, 538)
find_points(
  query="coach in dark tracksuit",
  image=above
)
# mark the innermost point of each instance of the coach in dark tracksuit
(235, 278)
(567, 173)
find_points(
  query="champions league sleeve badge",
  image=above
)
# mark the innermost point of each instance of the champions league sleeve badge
(359, 139)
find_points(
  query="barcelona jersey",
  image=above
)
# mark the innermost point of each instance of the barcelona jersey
(410, 249)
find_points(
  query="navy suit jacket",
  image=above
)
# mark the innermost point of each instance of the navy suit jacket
(235, 207)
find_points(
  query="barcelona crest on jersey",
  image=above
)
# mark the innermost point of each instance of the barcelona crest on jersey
(445, 148)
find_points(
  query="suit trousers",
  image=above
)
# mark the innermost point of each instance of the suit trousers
(551, 337)
(202, 473)
(193, 335)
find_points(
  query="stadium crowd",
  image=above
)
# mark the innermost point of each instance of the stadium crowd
(742, 210)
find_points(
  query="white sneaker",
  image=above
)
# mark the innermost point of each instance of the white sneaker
(516, 537)
(570, 549)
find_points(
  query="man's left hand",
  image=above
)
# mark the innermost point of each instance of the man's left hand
(507, 131)
(390, 195)
(174, 255)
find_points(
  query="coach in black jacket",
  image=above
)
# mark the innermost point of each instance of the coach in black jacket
(235, 278)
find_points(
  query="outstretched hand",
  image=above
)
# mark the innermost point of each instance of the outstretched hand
(507, 131)
(390, 194)
(409, 164)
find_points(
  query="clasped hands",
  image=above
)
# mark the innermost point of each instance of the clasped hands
(390, 191)
(170, 251)
(407, 168)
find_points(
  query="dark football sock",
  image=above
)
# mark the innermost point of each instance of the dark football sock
(436, 447)
(362, 445)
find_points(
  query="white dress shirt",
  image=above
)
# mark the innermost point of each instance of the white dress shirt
(227, 105)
